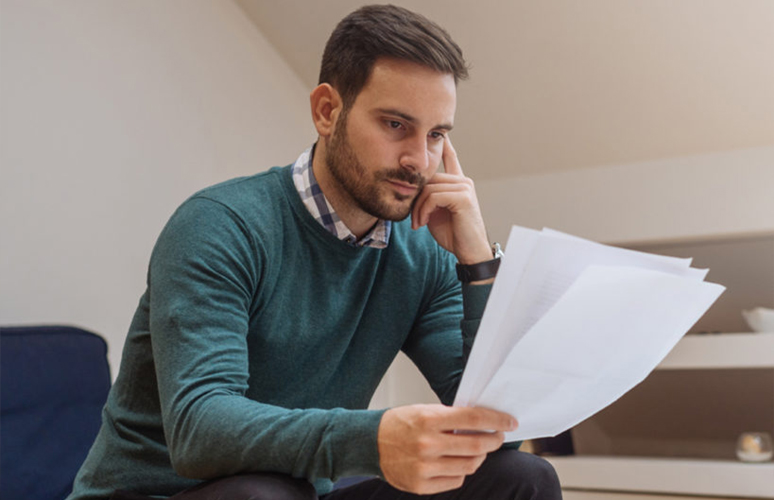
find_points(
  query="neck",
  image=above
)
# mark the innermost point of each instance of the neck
(356, 220)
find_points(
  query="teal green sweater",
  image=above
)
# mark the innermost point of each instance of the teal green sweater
(261, 338)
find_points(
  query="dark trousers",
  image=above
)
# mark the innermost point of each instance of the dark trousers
(504, 475)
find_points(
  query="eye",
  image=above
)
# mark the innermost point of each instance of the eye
(394, 124)
(437, 136)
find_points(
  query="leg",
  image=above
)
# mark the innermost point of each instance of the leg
(256, 486)
(504, 475)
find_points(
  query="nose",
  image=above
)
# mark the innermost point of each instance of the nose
(416, 155)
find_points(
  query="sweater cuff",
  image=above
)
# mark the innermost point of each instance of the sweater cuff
(474, 299)
(360, 440)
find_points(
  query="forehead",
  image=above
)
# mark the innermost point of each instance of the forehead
(424, 93)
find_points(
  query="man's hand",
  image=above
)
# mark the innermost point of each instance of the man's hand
(420, 453)
(449, 207)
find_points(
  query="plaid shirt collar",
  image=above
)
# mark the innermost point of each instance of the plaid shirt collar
(318, 205)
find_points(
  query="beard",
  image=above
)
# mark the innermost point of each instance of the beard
(366, 189)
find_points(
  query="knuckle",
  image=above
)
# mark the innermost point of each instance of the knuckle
(423, 419)
(480, 447)
(424, 446)
(423, 470)
(413, 486)
(476, 420)
(423, 489)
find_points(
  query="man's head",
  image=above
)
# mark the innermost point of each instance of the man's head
(385, 31)
(385, 104)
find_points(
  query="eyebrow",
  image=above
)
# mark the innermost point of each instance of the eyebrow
(413, 120)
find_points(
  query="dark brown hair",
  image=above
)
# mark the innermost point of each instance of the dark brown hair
(378, 31)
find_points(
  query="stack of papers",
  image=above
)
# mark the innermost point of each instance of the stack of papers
(572, 325)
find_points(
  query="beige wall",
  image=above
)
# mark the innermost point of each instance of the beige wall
(693, 197)
(112, 114)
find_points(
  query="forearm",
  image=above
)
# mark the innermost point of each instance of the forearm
(227, 434)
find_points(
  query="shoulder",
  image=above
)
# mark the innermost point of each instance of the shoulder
(243, 192)
(260, 197)
(234, 209)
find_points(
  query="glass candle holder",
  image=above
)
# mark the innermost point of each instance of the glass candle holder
(754, 447)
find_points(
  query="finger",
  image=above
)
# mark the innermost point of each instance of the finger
(452, 197)
(439, 485)
(470, 444)
(446, 178)
(451, 163)
(476, 419)
(453, 466)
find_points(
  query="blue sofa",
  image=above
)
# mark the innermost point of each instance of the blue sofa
(54, 381)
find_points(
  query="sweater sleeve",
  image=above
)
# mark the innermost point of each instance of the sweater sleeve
(443, 334)
(204, 272)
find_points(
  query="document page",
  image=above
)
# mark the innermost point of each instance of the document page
(572, 325)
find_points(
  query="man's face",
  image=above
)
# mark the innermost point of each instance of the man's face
(389, 143)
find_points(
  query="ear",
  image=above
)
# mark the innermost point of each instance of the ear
(326, 107)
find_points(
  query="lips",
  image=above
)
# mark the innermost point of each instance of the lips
(403, 188)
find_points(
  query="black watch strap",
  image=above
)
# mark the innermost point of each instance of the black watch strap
(483, 270)
(478, 272)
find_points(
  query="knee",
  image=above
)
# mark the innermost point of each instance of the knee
(544, 478)
(268, 486)
(527, 475)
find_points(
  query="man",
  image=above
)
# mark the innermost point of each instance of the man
(275, 304)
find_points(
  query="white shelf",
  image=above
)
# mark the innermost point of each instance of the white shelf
(666, 475)
(617, 495)
(718, 351)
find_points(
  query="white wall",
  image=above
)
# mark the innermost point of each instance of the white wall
(712, 195)
(112, 114)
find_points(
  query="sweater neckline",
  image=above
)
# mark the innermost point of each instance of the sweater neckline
(305, 218)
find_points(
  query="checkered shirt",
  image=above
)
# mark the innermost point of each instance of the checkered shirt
(318, 205)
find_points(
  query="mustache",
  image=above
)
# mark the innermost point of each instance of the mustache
(407, 176)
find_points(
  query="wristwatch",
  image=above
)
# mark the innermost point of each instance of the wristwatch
(483, 270)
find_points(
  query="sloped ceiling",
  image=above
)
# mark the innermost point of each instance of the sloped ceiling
(565, 84)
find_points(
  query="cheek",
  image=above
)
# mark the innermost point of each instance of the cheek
(377, 154)
(365, 142)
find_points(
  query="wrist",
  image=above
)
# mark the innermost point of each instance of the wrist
(470, 259)
(474, 253)
(483, 271)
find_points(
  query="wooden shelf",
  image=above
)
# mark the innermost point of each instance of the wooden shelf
(666, 475)
(721, 351)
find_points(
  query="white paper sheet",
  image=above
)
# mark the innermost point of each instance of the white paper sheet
(572, 325)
